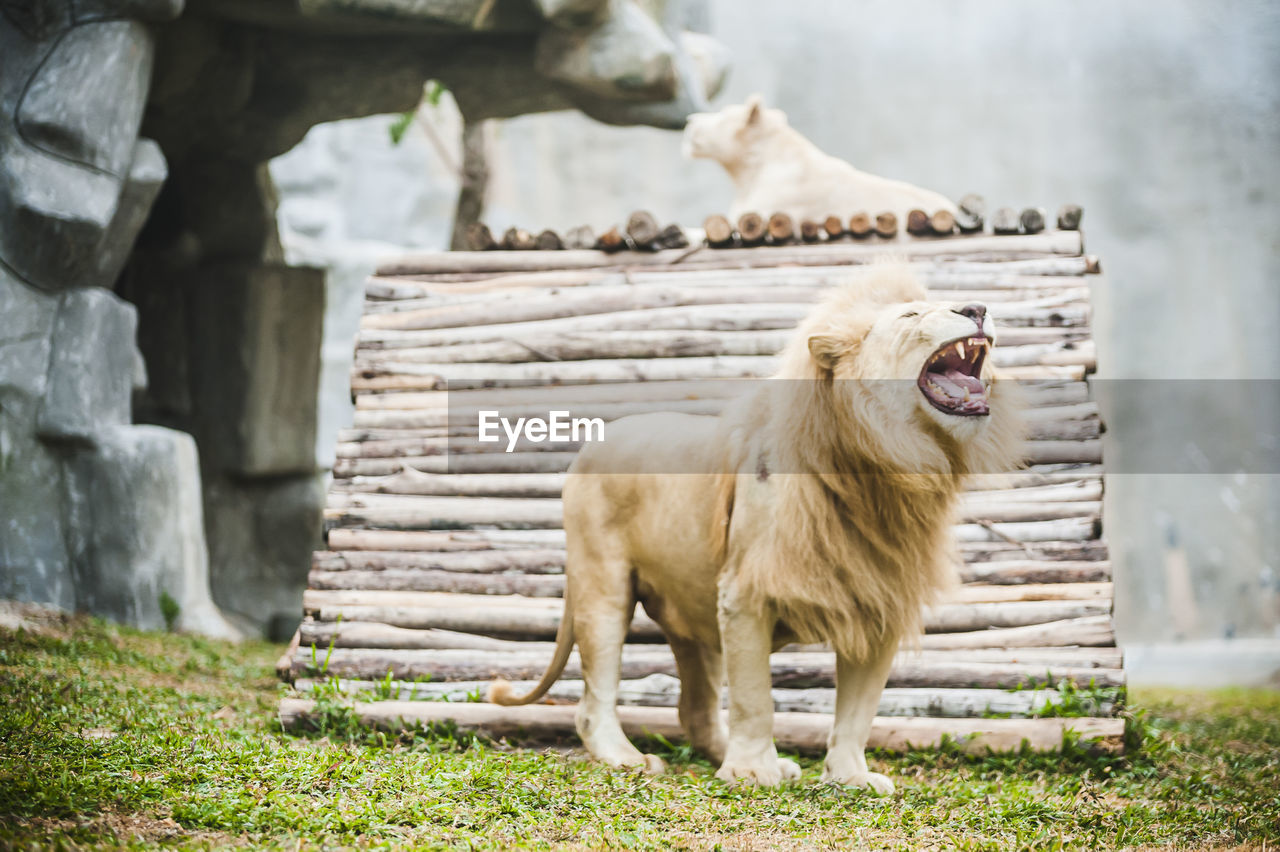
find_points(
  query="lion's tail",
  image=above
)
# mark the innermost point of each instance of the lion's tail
(500, 690)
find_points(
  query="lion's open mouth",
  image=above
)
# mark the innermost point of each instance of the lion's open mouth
(952, 377)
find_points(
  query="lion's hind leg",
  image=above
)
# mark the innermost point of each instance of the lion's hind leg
(603, 605)
(701, 671)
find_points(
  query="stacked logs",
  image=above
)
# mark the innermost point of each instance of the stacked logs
(752, 229)
(642, 232)
(445, 559)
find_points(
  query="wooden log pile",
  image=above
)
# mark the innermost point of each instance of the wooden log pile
(444, 560)
(643, 233)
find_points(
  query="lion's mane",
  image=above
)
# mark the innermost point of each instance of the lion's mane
(861, 540)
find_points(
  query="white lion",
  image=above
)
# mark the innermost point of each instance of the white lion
(818, 509)
(776, 170)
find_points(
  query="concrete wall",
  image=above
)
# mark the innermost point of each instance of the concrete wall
(1161, 119)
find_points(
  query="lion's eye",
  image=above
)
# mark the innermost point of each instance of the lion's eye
(910, 314)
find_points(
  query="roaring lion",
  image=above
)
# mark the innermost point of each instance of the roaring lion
(816, 509)
(775, 169)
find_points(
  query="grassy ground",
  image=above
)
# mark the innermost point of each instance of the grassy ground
(110, 736)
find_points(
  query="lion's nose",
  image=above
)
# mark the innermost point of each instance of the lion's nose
(974, 312)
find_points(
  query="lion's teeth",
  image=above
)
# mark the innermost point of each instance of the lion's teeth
(960, 349)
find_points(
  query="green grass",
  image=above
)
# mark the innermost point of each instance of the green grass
(111, 736)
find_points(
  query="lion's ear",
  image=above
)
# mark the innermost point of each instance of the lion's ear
(825, 350)
(755, 108)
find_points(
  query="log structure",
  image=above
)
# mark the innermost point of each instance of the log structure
(445, 558)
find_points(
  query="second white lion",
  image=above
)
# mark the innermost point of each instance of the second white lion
(776, 170)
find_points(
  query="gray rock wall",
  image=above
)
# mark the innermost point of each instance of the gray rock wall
(1162, 120)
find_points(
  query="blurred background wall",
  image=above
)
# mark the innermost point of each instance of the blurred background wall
(1161, 119)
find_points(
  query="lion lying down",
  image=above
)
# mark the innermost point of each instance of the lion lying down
(775, 169)
(815, 510)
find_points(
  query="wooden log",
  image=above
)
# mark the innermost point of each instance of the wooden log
(1032, 220)
(578, 304)
(1005, 221)
(417, 580)
(834, 227)
(451, 512)
(426, 433)
(352, 634)
(551, 561)
(390, 291)
(960, 618)
(384, 540)
(801, 732)
(1030, 532)
(719, 231)
(549, 462)
(671, 237)
(1047, 502)
(499, 615)
(479, 237)
(1013, 643)
(695, 318)
(410, 481)
(971, 211)
(580, 237)
(751, 229)
(661, 690)
(781, 229)
(811, 231)
(1040, 393)
(792, 670)
(1029, 571)
(470, 561)
(400, 375)
(1065, 452)
(978, 286)
(990, 593)
(284, 663)
(395, 512)
(518, 239)
(1069, 216)
(551, 585)
(974, 503)
(943, 223)
(886, 225)
(592, 345)
(405, 375)
(1084, 631)
(861, 225)
(643, 230)
(442, 542)
(548, 240)
(612, 241)
(998, 550)
(974, 250)
(794, 664)
(1007, 572)
(918, 223)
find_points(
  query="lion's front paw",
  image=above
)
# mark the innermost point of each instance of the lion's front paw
(873, 781)
(654, 765)
(766, 772)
